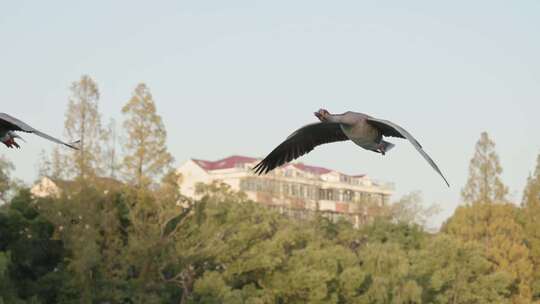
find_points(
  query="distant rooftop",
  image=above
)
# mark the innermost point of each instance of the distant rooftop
(233, 161)
(225, 163)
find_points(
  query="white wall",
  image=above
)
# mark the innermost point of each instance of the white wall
(191, 175)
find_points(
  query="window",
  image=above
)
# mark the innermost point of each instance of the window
(367, 197)
(294, 190)
(348, 195)
(243, 185)
(345, 179)
(364, 197)
(330, 194)
(322, 194)
(385, 199)
(285, 189)
(272, 187)
(313, 193)
(267, 185)
(309, 192)
(248, 184)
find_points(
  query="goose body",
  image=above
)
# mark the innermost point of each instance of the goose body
(359, 132)
(9, 125)
(363, 130)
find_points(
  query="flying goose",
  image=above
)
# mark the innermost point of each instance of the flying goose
(364, 130)
(8, 126)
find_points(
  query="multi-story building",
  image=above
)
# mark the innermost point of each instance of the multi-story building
(293, 188)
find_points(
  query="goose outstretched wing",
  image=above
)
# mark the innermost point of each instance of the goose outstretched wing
(11, 123)
(389, 128)
(300, 142)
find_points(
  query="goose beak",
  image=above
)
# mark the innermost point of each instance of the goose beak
(320, 115)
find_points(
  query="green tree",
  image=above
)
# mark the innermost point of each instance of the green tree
(8, 290)
(28, 255)
(484, 183)
(155, 212)
(531, 194)
(5, 178)
(91, 224)
(241, 252)
(454, 271)
(156, 219)
(318, 272)
(389, 277)
(83, 122)
(53, 166)
(410, 210)
(238, 241)
(408, 236)
(111, 154)
(498, 229)
(531, 211)
(146, 156)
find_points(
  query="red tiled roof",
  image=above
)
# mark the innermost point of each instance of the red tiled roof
(225, 163)
(232, 161)
(312, 169)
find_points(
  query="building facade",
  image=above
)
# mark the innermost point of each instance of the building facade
(293, 188)
(48, 186)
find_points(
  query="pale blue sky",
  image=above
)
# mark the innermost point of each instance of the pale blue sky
(236, 77)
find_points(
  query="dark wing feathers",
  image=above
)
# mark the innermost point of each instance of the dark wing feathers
(58, 141)
(14, 124)
(385, 129)
(389, 128)
(299, 143)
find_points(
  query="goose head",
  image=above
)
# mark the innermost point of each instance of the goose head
(322, 114)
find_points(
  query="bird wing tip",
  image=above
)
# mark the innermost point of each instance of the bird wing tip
(73, 144)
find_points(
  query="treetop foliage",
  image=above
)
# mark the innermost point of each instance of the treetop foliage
(146, 155)
(484, 183)
(142, 241)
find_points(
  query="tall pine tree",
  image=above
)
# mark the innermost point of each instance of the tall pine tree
(146, 156)
(83, 122)
(111, 154)
(531, 211)
(484, 184)
(145, 160)
(531, 194)
(54, 165)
